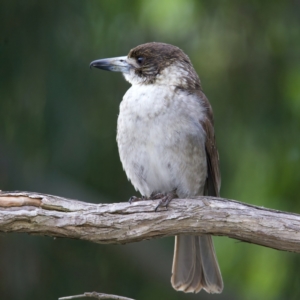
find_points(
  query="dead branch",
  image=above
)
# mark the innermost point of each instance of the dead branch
(54, 216)
(96, 295)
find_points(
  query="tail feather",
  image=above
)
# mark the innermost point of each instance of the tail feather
(195, 265)
(184, 269)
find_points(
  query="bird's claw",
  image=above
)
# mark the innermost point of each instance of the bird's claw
(156, 196)
(135, 199)
(165, 200)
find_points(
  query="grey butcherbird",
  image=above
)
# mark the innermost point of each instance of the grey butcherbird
(167, 147)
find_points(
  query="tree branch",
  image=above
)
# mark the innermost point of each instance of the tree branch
(125, 223)
(96, 295)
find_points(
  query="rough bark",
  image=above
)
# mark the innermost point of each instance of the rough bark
(96, 296)
(54, 216)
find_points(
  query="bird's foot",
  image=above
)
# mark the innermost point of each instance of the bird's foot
(136, 199)
(165, 199)
(155, 196)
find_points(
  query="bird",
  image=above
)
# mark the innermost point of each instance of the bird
(167, 147)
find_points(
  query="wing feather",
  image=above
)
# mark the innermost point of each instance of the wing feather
(213, 182)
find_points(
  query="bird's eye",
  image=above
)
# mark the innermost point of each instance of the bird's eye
(140, 59)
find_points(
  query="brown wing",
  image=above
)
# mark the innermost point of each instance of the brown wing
(213, 182)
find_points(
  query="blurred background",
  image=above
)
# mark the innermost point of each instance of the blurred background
(58, 134)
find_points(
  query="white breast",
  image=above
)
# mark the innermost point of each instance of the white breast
(161, 141)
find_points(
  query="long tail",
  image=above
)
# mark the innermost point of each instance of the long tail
(195, 265)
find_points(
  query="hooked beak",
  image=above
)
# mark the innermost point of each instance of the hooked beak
(115, 64)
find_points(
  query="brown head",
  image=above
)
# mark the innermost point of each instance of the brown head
(148, 63)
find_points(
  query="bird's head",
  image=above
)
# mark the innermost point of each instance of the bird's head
(153, 63)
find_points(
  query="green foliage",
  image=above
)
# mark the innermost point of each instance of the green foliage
(58, 125)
